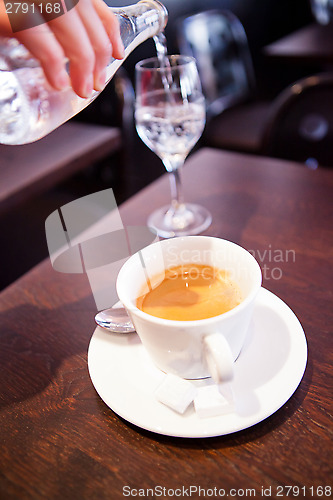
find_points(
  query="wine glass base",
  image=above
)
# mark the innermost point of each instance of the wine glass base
(192, 219)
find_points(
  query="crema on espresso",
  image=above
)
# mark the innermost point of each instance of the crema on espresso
(190, 292)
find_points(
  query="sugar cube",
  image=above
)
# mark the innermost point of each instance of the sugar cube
(209, 402)
(176, 392)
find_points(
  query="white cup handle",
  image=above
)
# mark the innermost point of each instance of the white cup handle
(218, 357)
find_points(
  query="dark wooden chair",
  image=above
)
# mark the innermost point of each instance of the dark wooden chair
(217, 40)
(300, 123)
(322, 10)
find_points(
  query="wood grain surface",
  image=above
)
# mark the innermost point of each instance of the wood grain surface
(58, 440)
(30, 169)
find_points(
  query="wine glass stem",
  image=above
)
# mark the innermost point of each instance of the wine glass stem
(178, 217)
(176, 189)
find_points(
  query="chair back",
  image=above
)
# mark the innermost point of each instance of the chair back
(300, 123)
(219, 44)
(322, 10)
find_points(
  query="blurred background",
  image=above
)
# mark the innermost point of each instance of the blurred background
(247, 81)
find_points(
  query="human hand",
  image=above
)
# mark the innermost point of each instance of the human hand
(87, 35)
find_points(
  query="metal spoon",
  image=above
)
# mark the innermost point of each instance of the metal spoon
(115, 320)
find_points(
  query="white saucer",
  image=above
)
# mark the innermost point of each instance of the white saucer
(267, 372)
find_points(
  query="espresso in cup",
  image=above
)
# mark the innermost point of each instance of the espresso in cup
(190, 292)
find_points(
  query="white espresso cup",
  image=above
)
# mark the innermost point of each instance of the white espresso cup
(200, 348)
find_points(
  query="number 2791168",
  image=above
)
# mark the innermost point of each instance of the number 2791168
(32, 8)
(303, 491)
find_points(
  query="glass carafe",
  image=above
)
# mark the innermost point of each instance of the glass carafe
(30, 108)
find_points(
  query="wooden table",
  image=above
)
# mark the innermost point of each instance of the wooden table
(60, 441)
(311, 44)
(30, 169)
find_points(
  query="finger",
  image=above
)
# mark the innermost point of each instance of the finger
(42, 44)
(30, 29)
(99, 40)
(71, 33)
(5, 26)
(111, 25)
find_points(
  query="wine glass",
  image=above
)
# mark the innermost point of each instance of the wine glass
(170, 116)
